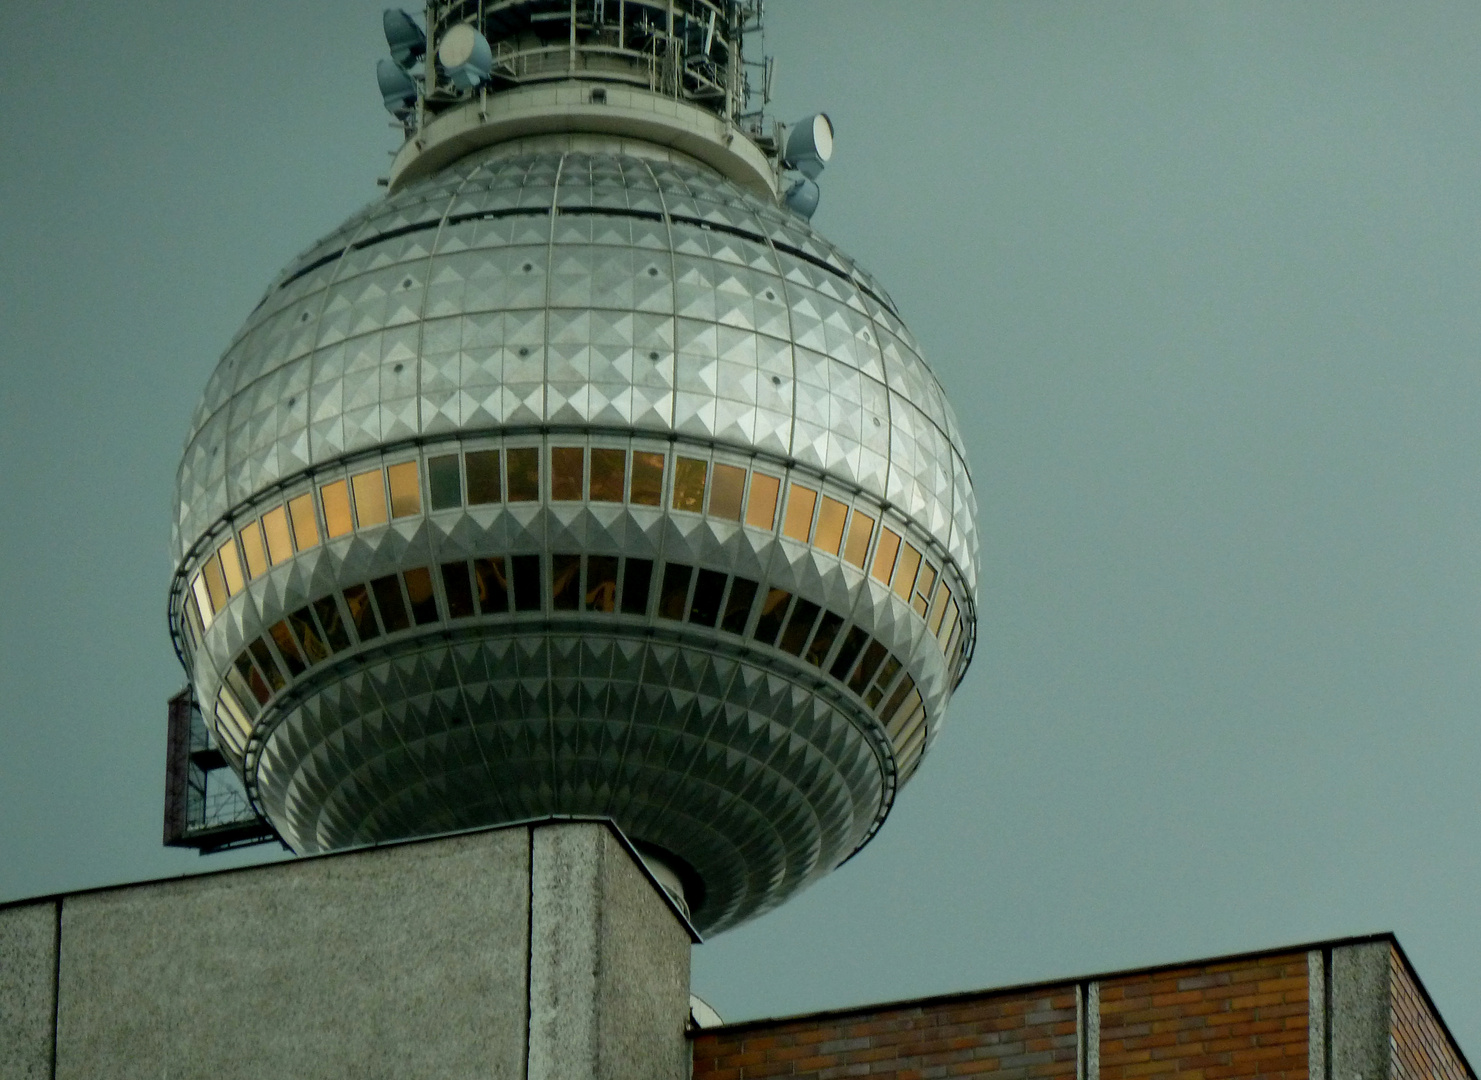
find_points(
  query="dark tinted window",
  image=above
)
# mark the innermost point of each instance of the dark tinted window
(483, 477)
(738, 605)
(822, 641)
(799, 626)
(705, 608)
(873, 657)
(459, 594)
(333, 624)
(675, 591)
(493, 585)
(287, 648)
(443, 481)
(637, 581)
(387, 592)
(601, 582)
(565, 582)
(773, 610)
(525, 570)
(419, 592)
(848, 652)
(266, 664)
(309, 637)
(361, 614)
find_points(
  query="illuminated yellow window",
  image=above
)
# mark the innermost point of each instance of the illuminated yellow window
(406, 490)
(215, 584)
(689, 484)
(948, 624)
(647, 478)
(193, 616)
(370, 498)
(860, 530)
(914, 725)
(336, 500)
(231, 567)
(905, 572)
(608, 474)
(203, 599)
(761, 509)
(232, 719)
(938, 606)
(923, 586)
(567, 473)
(279, 541)
(305, 524)
(884, 555)
(831, 519)
(253, 549)
(524, 474)
(727, 492)
(800, 503)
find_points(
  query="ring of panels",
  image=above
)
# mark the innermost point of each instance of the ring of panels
(578, 483)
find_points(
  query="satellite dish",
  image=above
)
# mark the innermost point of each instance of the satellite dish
(398, 89)
(802, 197)
(466, 57)
(407, 41)
(809, 145)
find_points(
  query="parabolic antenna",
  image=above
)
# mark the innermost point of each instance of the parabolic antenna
(466, 57)
(810, 144)
(405, 38)
(398, 90)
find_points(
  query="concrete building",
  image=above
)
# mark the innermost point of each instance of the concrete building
(548, 951)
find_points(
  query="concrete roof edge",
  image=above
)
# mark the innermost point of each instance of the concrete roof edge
(1071, 980)
(524, 823)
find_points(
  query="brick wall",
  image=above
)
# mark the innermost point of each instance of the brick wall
(1023, 1035)
(1240, 1018)
(1419, 1047)
(1245, 1018)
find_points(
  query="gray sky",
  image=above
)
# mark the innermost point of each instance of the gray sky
(1202, 281)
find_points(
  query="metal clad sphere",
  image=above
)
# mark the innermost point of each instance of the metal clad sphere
(578, 483)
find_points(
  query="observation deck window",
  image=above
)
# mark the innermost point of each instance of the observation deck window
(338, 520)
(370, 498)
(567, 473)
(637, 583)
(524, 573)
(524, 474)
(738, 605)
(608, 474)
(647, 489)
(761, 510)
(420, 596)
(444, 485)
(406, 491)
(483, 477)
(305, 524)
(727, 492)
(457, 590)
(601, 583)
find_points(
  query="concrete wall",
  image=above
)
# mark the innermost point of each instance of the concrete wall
(410, 960)
(28, 953)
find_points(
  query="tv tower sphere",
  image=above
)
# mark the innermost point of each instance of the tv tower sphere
(579, 475)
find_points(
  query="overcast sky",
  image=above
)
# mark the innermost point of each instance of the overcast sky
(1202, 282)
